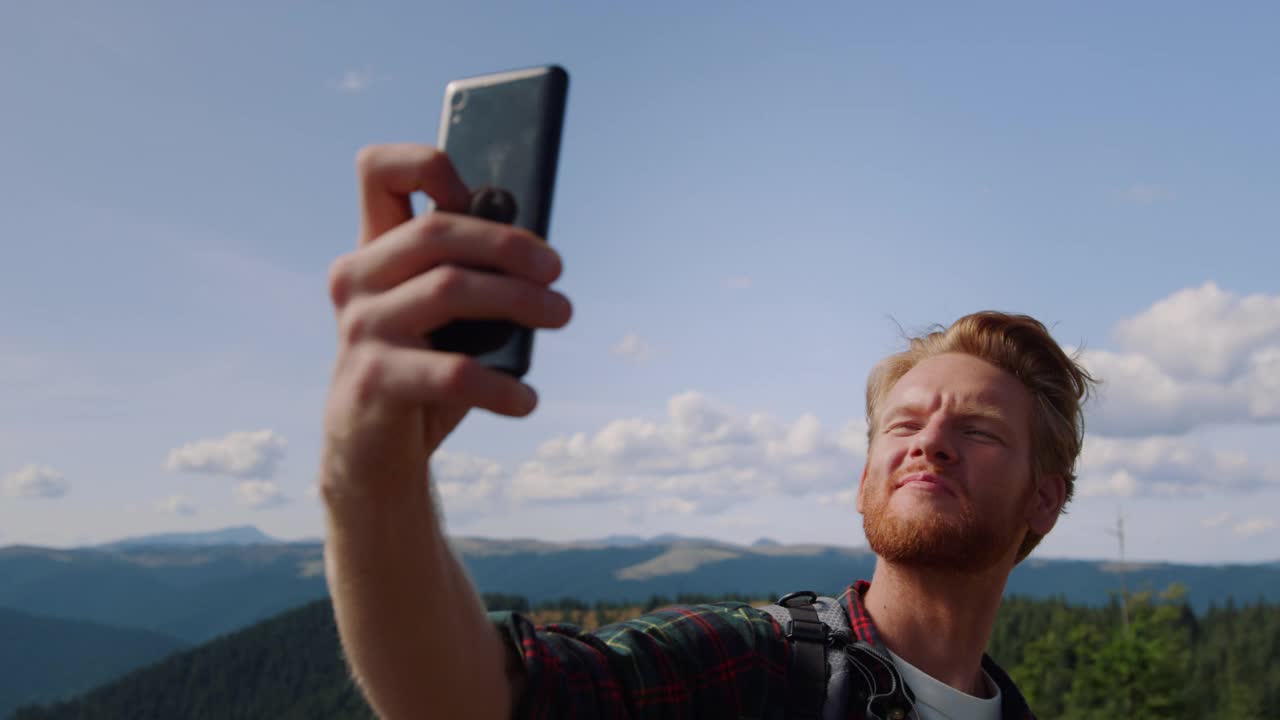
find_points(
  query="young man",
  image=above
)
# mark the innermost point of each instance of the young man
(974, 432)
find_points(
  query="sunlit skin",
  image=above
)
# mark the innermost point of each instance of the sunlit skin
(947, 496)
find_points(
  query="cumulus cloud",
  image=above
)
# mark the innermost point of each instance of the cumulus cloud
(701, 458)
(238, 454)
(741, 522)
(466, 484)
(35, 481)
(1201, 356)
(1167, 466)
(1205, 332)
(177, 505)
(1215, 520)
(847, 497)
(633, 347)
(1253, 526)
(258, 494)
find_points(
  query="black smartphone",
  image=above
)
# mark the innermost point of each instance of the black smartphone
(502, 133)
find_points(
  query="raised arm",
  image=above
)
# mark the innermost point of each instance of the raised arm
(412, 626)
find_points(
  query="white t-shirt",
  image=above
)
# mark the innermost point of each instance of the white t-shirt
(936, 700)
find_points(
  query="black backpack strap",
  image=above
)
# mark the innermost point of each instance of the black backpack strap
(807, 675)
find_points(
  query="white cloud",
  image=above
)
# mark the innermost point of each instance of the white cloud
(1204, 333)
(258, 494)
(1165, 465)
(740, 282)
(355, 81)
(1145, 194)
(631, 346)
(741, 522)
(35, 481)
(701, 458)
(1215, 520)
(466, 484)
(1201, 356)
(238, 454)
(177, 505)
(1253, 526)
(843, 498)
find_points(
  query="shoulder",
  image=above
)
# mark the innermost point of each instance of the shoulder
(1012, 704)
(715, 628)
(716, 660)
(733, 625)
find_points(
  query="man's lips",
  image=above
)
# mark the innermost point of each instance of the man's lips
(926, 479)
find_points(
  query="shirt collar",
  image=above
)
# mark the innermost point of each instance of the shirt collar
(1013, 705)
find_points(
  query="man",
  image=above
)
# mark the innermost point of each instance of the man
(973, 436)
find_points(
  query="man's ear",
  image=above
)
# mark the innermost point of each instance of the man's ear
(862, 487)
(1046, 503)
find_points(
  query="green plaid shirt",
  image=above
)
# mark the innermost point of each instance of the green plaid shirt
(726, 660)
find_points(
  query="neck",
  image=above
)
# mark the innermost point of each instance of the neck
(938, 621)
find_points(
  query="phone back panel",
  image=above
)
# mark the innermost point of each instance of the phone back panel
(503, 130)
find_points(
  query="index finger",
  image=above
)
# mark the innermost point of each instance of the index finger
(390, 174)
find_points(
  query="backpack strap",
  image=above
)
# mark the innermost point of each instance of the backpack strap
(821, 685)
(808, 670)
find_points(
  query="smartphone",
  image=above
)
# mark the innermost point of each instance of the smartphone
(502, 133)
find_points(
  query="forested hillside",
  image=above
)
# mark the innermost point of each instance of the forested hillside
(1154, 658)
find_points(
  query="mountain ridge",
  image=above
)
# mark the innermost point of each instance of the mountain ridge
(44, 659)
(196, 592)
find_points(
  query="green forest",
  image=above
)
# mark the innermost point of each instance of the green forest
(1147, 657)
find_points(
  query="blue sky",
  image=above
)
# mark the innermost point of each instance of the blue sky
(751, 199)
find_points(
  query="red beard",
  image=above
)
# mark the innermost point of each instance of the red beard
(959, 540)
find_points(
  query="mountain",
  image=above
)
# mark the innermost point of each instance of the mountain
(193, 593)
(287, 667)
(242, 535)
(46, 659)
(197, 592)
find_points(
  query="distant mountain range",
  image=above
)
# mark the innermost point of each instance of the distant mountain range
(160, 592)
(241, 535)
(196, 586)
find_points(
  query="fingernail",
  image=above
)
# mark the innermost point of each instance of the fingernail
(547, 262)
(555, 303)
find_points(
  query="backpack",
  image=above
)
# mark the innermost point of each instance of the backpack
(824, 656)
(814, 626)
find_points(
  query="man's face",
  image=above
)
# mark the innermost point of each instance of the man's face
(948, 478)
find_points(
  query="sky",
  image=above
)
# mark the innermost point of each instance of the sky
(753, 203)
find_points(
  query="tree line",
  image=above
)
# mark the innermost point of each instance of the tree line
(1148, 657)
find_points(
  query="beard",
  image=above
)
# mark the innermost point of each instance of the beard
(957, 541)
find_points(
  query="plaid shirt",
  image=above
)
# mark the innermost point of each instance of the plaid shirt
(727, 660)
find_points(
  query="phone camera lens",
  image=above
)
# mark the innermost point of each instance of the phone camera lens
(459, 100)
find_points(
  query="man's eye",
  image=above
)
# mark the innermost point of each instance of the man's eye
(904, 426)
(983, 433)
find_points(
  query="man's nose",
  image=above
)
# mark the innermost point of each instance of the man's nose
(933, 443)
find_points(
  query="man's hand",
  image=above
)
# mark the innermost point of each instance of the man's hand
(412, 625)
(393, 400)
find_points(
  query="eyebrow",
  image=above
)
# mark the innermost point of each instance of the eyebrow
(978, 411)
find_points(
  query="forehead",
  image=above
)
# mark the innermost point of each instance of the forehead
(960, 381)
